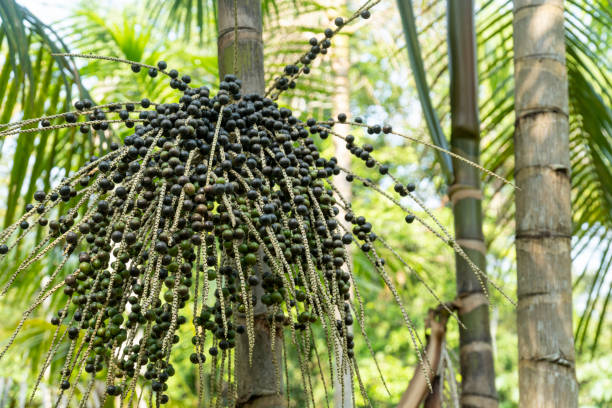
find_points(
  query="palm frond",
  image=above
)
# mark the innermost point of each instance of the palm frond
(416, 62)
(35, 83)
(185, 16)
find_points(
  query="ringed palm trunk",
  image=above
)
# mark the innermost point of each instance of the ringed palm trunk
(257, 382)
(543, 209)
(476, 353)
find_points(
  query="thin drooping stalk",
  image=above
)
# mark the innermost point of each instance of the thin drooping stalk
(476, 353)
(341, 103)
(256, 376)
(543, 208)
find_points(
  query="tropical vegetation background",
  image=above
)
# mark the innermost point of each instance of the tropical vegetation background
(384, 86)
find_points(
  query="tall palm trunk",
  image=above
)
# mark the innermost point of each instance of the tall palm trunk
(250, 67)
(543, 210)
(476, 354)
(257, 382)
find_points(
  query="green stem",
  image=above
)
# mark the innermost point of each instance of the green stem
(476, 352)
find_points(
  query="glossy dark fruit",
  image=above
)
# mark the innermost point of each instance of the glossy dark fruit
(40, 196)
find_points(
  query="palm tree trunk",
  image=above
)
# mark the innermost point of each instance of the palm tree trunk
(476, 353)
(543, 209)
(257, 382)
(250, 67)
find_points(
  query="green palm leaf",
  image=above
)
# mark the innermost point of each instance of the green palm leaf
(26, 82)
(418, 71)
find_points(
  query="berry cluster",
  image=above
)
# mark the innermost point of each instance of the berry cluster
(226, 192)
